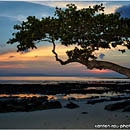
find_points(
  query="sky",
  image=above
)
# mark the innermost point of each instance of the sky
(41, 61)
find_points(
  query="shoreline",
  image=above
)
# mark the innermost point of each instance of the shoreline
(52, 80)
(84, 117)
(60, 106)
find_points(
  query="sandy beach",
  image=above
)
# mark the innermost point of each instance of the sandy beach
(65, 118)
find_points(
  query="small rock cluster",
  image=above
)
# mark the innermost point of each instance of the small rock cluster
(125, 105)
(71, 105)
(28, 104)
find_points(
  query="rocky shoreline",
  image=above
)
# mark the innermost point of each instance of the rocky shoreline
(66, 88)
(124, 105)
(13, 104)
(26, 104)
(9, 104)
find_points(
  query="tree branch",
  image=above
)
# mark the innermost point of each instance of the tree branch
(59, 60)
(91, 64)
(107, 65)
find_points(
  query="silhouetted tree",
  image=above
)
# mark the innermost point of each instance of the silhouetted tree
(88, 29)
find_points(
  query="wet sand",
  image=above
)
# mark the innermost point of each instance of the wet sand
(65, 118)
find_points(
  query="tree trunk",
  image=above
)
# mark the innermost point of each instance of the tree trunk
(107, 65)
(94, 64)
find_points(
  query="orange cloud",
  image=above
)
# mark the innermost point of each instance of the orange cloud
(13, 66)
(97, 71)
(35, 55)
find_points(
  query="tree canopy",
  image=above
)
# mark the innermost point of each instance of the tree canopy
(88, 29)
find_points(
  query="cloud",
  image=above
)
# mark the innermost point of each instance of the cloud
(110, 7)
(10, 18)
(97, 71)
(12, 13)
(101, 56)
(62, 4)
(13, 66)
(11, 56)
(45, 63)
(25, 51)
(20, 9)
(36, 56)
(2, 45)
(124, 11)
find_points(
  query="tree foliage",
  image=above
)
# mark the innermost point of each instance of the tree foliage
(89, 29)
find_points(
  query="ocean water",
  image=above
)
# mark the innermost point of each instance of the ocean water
(44, 80)
(55, 80)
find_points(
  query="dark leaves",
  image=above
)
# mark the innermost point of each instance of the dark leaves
(89, 29)
(122, 50)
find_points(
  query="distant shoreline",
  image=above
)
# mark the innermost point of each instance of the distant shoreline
(44, 82)
(82, 76)
(50, 79)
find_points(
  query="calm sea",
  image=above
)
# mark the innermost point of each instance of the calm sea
(42, 80)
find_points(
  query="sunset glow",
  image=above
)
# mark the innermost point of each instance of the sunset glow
(13, 66)
(21, 95)
(99, 71)
(41, 61)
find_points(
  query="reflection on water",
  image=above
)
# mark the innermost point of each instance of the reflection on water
(20, 95)
(94, 88)
(47, 78)
(82, 96)
(4, 95)
(60, 96)
(55, 80)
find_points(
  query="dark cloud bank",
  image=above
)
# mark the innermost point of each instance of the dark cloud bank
(124, 11)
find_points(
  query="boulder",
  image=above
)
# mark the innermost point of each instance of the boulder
(71, 105)
(28, 104)
(126, 109)
(38, 100)
(118, 98)
(96, 101)
(72, 98)
(52, 105)
(93, 97)
(84, 113)
(117, 106)
(17, 108)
